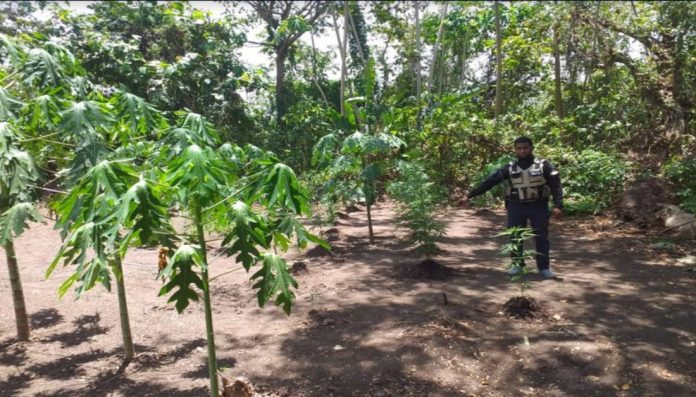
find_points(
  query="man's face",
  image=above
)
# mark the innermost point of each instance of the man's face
(523, 150)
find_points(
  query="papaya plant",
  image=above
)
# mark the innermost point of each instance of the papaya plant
(62, 120)
(25, 73)
(17, 174)
(257, 211)
(356, 163)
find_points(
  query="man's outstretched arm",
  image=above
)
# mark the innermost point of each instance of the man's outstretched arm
(493, 179)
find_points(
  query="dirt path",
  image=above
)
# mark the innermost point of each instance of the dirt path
(618, 323)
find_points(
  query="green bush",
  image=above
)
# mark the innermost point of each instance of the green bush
(592, 180)
(681, 172)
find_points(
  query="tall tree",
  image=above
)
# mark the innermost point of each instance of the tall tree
(498, 63)
(557, 68)
(342, 51)
(664, 38)
(286, 21)
(417, 60)
(436, 48)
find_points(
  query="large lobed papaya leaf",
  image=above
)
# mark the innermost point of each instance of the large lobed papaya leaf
(181, 275)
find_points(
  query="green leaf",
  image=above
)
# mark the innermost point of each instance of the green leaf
(138, 116)
(204, 132)
(86, 118)
(181, 275)
(281, 188)
(198, 174)
(15, 220)
(96, 193)
(289, 225)
(143, 215)
(17, 171)
(324, 150)
(43, 69)
(248, 231)
(354, 143)
(8, 105)
(84, 248)
(274, 279)
(44, 112)
(14, 52)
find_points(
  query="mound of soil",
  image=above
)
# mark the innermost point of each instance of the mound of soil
(427, 270)
(299, 268)
(332, 234)
(641, 200)
(317, 252)
(240, 387)
(322, 318)
(522, 307)
(342, 215)
(352, 208)
(484, 212)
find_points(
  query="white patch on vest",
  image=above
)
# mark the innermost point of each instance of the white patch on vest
(529, 183)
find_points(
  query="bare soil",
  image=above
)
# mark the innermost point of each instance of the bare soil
(621, 322)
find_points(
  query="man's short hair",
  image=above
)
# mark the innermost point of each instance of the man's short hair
(524, 139)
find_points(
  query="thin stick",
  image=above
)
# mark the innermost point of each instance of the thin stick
(222, 274)
(47, 189)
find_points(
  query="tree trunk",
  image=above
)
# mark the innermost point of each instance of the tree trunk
(342, 52)
(314, 70)
(464, 58)
(128, 348)
(499, 64)
(557, 71)
(354, 30)
(385, 65)
(369, 224)
(418, 65)
(21, 317)
(209, 330)
(436, 48)
(281, 56)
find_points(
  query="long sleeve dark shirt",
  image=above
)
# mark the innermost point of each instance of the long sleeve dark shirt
(503, 173)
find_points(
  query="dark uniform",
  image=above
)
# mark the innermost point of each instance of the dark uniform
(529, 182)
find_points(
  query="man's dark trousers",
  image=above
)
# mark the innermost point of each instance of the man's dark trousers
(538, 215)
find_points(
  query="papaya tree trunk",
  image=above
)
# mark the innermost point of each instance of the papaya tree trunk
(369, 191)
(369, 223)
(128, 348)
(20, 308)
(209, 331)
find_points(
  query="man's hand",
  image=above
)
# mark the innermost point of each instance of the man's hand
(557, 213)
(463, 202)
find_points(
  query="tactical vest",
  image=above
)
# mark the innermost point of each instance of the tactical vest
(527, 185)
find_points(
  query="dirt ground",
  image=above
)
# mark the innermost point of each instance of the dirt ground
(620, 322)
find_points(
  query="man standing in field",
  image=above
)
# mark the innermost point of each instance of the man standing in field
(529, 182)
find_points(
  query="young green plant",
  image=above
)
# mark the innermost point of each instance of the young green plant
(419, 199)
(514, 248)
